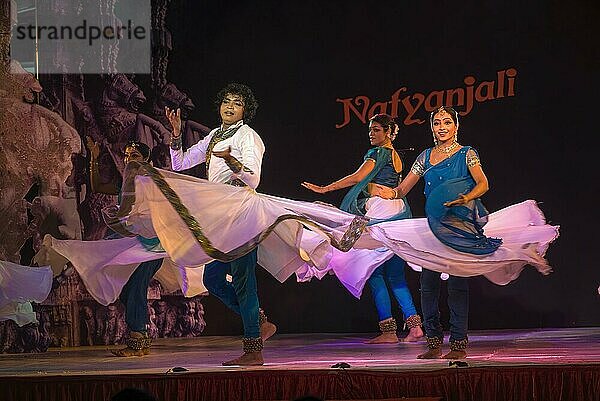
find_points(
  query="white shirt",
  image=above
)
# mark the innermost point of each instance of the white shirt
(246, 146)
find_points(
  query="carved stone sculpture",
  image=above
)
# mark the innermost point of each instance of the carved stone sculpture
(35, 148)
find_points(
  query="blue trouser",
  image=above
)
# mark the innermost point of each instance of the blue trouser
(134, 295)
(240, 295)
(392, 272)
(458, 303)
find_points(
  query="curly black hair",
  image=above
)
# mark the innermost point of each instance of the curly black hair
(250, 103)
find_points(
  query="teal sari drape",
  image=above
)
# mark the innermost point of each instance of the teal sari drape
(356, 198)
(460, 227)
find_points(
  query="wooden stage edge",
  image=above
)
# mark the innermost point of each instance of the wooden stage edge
(544, 364)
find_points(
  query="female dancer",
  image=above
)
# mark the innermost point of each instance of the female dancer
(454, 182)
(382, 165)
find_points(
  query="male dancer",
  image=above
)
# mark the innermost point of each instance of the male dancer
(233, 155)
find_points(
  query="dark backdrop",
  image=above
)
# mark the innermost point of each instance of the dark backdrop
(300, 56)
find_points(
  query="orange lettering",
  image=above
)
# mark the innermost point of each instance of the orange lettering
(348, 106)
(411, 110)
(489, 87)
(439, 100)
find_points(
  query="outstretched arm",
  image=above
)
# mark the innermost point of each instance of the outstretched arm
(345, 182)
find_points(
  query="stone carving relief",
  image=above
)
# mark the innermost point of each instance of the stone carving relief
(44, 183)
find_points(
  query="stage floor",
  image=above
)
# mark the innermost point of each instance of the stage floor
(510, 364)
(314, 351)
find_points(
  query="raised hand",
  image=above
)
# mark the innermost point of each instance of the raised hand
(174, 117)
(315, 188)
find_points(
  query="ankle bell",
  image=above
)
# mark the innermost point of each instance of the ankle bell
(388, 325)
(413, 321)
(434, 342)
(138, 341)
(252, 345)
(459, 345)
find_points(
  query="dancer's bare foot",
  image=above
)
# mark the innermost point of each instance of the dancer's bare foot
(267, 329)
(248, 359)
(432, 353)
(414, 334)
(384, 338)
(456, 354)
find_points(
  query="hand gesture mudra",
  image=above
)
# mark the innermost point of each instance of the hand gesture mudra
(461, 200)
(223, 154)
(174, 117)
(315, 188)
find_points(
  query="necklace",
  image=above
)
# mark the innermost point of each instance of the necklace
(447, 149)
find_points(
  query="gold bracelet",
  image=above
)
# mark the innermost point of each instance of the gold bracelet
(395, 193)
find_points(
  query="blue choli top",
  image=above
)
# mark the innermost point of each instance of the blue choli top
(387, 174)
(383, 173)
(461, 226)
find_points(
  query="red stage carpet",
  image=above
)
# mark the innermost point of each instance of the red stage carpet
(551, 364)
